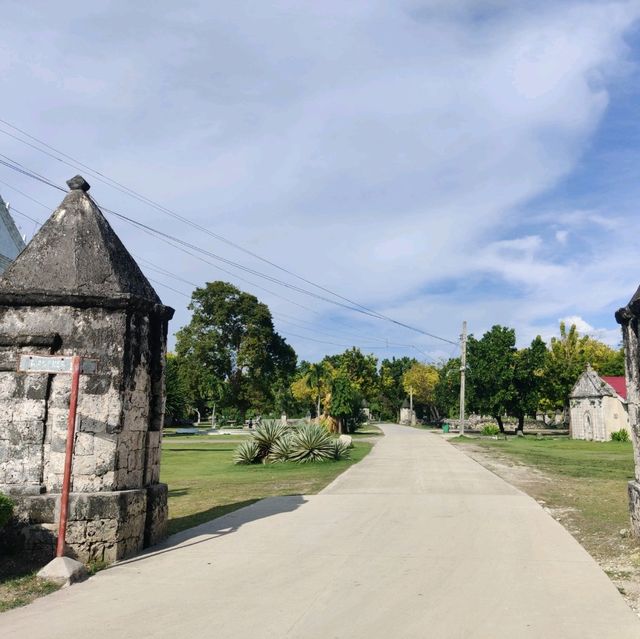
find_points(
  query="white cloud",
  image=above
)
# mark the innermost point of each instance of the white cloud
(611, 336)
(379, 148)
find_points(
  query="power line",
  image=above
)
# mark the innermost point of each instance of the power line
(131, 192)
(355, 307)
(275, 314)
(387, 346)
(13, 209)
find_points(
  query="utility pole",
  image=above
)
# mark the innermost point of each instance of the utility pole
(463, 370)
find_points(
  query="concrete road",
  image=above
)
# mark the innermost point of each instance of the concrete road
(417, 540)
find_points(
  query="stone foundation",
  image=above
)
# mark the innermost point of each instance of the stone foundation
(155, 529)
(634, 506)
(104, 526)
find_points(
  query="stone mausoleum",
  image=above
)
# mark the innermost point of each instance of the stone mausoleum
(598, 406)
(76, 290)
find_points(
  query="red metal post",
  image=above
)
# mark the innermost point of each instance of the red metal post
(66, 481)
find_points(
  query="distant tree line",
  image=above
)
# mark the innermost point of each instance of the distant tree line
(230, 356)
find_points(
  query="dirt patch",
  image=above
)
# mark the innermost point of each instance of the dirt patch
(592, 510)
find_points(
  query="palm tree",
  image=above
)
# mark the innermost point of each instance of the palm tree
(316, 379)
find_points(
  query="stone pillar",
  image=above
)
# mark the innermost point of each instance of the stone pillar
(627, 317)
(75, 290)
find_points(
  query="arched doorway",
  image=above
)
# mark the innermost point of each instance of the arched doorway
(588, 427)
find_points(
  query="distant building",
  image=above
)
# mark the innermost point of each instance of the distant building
(407, 416)
(11, 242)
(598, 406)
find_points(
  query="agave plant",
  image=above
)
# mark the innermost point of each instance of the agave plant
(267, 434)
(340, 449)
(281, 450)
(311, 443)
(247, 453)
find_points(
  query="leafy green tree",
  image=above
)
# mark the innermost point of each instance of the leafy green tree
(230, 353)
(422, 379)
(447, 391)
(528, 377)
(318, 379)
(391, 391)
(491, 362)
(177, 393)
(345, 403)
(361, 370)
(567, 359)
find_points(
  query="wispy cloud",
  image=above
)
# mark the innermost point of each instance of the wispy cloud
(379, 148)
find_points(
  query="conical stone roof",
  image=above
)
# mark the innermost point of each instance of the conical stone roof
(590, 384)
(76, 257)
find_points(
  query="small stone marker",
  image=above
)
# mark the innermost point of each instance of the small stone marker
(64, 571)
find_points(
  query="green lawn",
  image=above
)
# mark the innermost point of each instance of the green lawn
(571, 457)
(20, 591)
(204, 483)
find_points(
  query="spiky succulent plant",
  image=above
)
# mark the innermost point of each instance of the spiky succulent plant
(247, 453)
(311, 443)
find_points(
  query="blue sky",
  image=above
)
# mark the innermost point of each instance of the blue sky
(436, 161)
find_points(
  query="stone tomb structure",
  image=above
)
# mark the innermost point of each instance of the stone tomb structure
(75, 290)
(598, 406)
(628, 317)
(407, 416)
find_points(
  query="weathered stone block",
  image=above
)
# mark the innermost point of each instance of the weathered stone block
(633, 489)
(157, 514)
(36, 386)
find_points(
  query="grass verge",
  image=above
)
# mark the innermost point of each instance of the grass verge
(204, 483)
(19, 584)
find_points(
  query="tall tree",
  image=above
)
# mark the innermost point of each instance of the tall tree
(491, 363)
(360, 369)
(391, 390)
(345, 403)
(176, 393)
(528, 377)
(318, 379)
(231, 351)
(447, 391)
(568, 356)
(422, 379)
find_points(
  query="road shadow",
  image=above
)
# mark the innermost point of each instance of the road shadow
(244, 513)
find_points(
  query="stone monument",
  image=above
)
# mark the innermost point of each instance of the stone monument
(76, 290)
(628, 317)
(407, 415)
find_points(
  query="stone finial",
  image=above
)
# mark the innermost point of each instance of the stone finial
(78, 183)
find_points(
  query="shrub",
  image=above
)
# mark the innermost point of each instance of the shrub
(267, 434)
(621, 435)
(340, 450)
(281, 450)
(490, 429)
(6, 510)
(311, 443)
(247, 453)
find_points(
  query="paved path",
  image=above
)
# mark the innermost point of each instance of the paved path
(417, 540)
